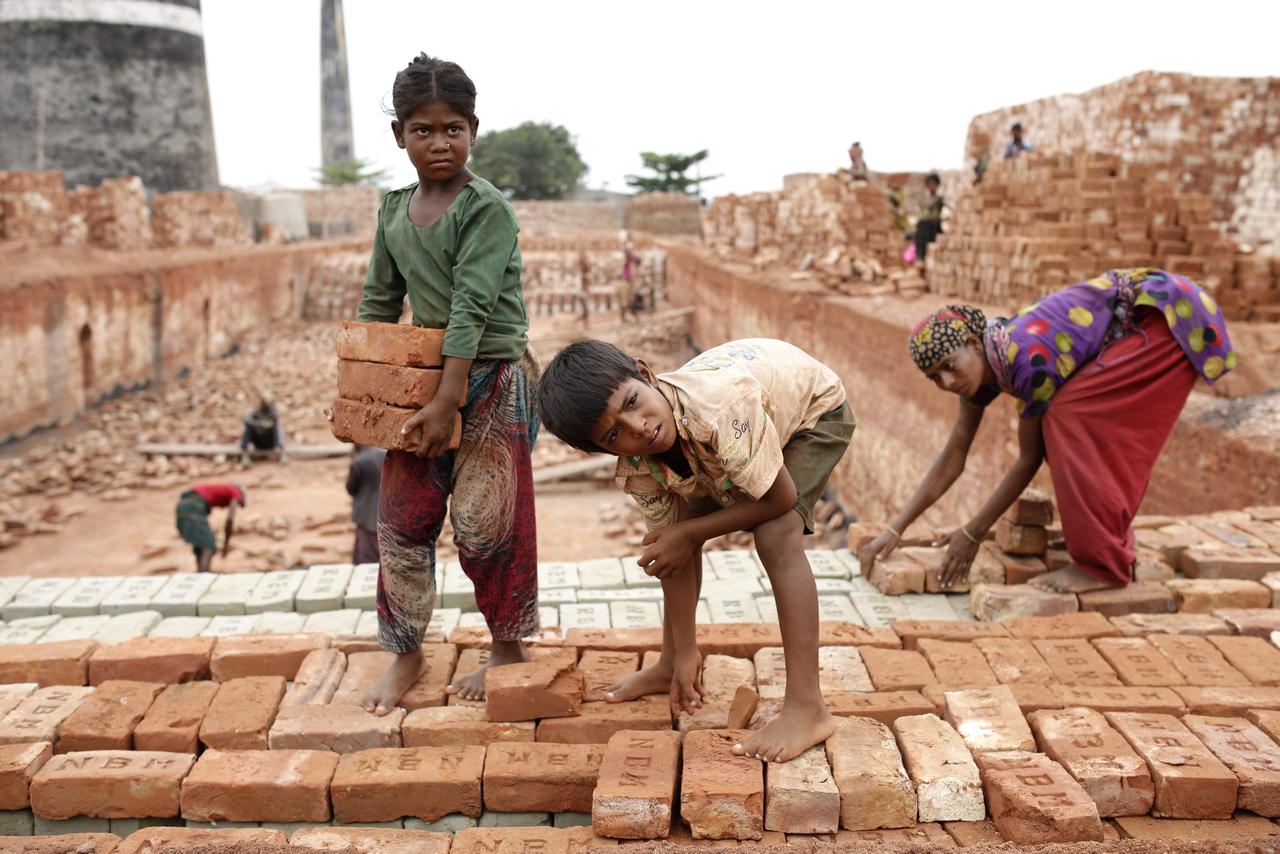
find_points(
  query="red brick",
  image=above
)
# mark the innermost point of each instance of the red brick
(1134, 625)
(1033, 800)
(450, 726)
(62, 843)
(614, 640)
(635, 794)
(911, 631)
(947, 784)
(391, 344)
(377, 425)
(541, 777)
(364, 669)
(13, 693)
(236, 656)
(1251, 756)
(242, 712)
(472, 637)
(1032, 697)
(883, 706)
(1141, 597)
(340, 728)
(579, 840)
(1206, 595)
(1239, 829)
(866, 764)
(1137, 662)
(1219, 527)
(147, 659)
(317, 679)
(801, 795)
(999, 602)
(107, 717)
(722, 794)
(970, 834)
(1171, 541)
(1229, 701)
(151, 840)
(851, 634)
(56, 663)
(371, 840)
(1125, 699)
(1017, 569)
(1256, 658)
(1098, 757)
(897, 574)
(1197, 660)
(259, 785)
(548, 688)
(172, 723)
(393, 385)
(38, 717)
(1076, 662)
(1254, 622)
(897, 669)
(1083, 624)
(1190, 782)
(988, 719)
(1248, 563)
(1015, 660)
(601, 669)
(511, 840)
(110, 784)
(597, 722)
(958, 665)
(425, 782)
(927, 834)
(1033, 507)
(1021, 539)
(18, 764)
(933, 560)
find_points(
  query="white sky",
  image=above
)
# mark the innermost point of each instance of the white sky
(770, 88)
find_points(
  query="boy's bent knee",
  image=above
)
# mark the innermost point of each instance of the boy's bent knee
(781, 532)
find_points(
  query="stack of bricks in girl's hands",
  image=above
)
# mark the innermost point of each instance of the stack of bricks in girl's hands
(386, 373)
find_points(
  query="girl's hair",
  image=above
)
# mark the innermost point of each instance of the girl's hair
(426, 79)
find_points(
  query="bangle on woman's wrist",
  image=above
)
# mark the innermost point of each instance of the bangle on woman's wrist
(894, 531)
(964, 529)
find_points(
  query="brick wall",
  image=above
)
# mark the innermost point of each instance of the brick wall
(333, 211)
(665, 214)
(113, 215)
(33, 207)
(554, 217)
(197, 219)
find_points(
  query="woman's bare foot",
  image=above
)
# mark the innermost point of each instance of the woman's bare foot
(1070, 579)
(400, 676)
(471, 686)
(633, 686)
(791, 733)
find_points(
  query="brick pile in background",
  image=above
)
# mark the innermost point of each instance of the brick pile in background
(664, 214)
(335, 286)
(33, 207)
(555, 280)
(332, 211)
(188, 218)
(113, 215)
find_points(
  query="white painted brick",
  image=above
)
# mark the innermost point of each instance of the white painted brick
(367, 625)
(457, 591)
(226, 625)
(849, 559)
(592, 616)
(472, 620)
(28, 629)
(228, 594)
(634, 615)
(323, 588)
(768, 608)
(733, 609)
(36, 598)
(336, 622)
(134, 594)
(553, 575)
(127, 626)
(549, 616)
(557, 596)
(879, 610)
(825, 564)
(636, 577)
(76, 628)
(280, 622)
(927, 606)
(362, 589)
(180, 596)
(9, 587)
(861, 585)
(833, 585)
(85, 596)
(639, 594)
(180, 627)
(837, 609)
(959, 603)
(733, 563)
(702, 614)
(733, 586)
(601, 572)
(275, 592)
(444, 620)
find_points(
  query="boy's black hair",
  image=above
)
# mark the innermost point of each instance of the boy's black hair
(575, 388)
(1016, 127)
(426, 79)
(933, 176)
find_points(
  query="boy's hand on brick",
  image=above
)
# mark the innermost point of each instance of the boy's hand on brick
(428, 431)
(686, 684)
(881, 547)
(667, 551)
(960, 554)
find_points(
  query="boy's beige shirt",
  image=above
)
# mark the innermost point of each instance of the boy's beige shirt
(735, 408)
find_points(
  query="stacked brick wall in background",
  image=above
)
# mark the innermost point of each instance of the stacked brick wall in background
(113, 215)
(333, 211)
(557, 217)
(33, 206)
(665, 214)
(197, 219)
(1257, 215)
(1044, 221)
(335, 286)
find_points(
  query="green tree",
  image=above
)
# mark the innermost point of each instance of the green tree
(351, 172)
(529, 161)
(671, 177)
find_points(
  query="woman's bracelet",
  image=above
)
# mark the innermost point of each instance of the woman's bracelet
(964, 529)
(894, 531)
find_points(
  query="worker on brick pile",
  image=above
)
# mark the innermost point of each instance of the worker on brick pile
(1016, 145)
(448, 241)
(1099, 372)
(193, 511)
(742, 438)
(929, 222)
(857, 166)
(363, 479)
(263, 430)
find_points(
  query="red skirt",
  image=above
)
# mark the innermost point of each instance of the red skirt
(1103, 433)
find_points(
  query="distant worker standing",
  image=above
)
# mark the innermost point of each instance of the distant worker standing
(929, 223)
(1017, 145)
(363, 480)
(262, 429)
(857, 166)
(628, 291)
(193, 518)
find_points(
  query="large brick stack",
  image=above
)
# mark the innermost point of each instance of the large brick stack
(1043, 221)
(114, 214)
(335, 285)
(666, 214)
(1257, 214)
(190, 218)
(386, 373)
(351, 209)
(33, 207)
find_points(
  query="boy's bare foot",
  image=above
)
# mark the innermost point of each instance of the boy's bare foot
(1070, 579)
(633, 686)
(400, 676)
(471, 686)
(794, 731)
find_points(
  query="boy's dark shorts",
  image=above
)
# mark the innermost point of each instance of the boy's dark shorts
(809, 458)
(193, 522)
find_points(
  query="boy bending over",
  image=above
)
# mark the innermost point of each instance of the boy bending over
(742, 438)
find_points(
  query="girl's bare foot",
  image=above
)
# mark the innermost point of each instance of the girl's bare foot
(400, 676)
(791, 733)
(633, 686)
(1070, 579)
(471, 686)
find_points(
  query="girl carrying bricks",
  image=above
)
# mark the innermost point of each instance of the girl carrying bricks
(1099, 373)
(448, 241)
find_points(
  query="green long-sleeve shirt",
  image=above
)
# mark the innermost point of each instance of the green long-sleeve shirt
(462, 273)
